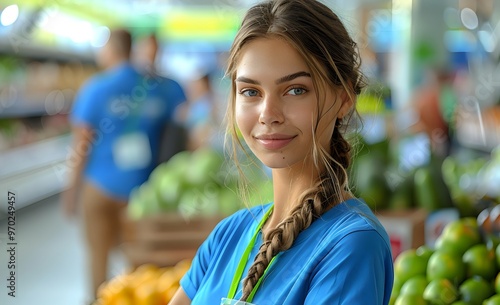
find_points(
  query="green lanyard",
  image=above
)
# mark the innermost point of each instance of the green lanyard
(244, 260)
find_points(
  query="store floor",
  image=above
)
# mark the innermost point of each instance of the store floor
(50, 258)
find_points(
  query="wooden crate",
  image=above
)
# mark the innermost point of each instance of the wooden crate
(164, 239)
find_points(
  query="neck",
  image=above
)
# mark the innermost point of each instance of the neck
(288, 185)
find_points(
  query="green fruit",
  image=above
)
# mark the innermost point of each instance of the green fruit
(410, 299)
(496, 283)
(440, 292)
(204, 165)
(497, 255)
(494, 300)
(446, 265)
(169, 189)
(402, 196)
(392, 300)
(408, 264)
(179, 162)
(396, 287)
(425, 252)
(195, 202)
(449, 169)
(415, 285)
(458, 236)
(425, 190)
(475, 290)
(480, 261)
(370, 182)
(143, 201)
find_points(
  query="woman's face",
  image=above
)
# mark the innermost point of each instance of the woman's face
(276, 104)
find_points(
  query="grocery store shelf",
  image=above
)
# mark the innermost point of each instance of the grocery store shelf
(35, 171)
(27, 49)
(16, 111)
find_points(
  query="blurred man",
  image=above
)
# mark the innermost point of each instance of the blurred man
(117, 119)
(175, 135)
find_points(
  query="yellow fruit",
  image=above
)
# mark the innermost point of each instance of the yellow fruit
(116, 289)
(475, 290)
(408, 264)
(167, 279)
(446, 265)
(123, 300)
(144, 276)
(147, 294)
(146, 268)
(480, 261)
(182, 267)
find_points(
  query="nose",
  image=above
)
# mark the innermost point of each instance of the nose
(271, 111)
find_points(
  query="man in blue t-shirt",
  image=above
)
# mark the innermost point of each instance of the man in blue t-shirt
(117, 120)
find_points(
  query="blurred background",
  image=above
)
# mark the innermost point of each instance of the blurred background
(430, 115)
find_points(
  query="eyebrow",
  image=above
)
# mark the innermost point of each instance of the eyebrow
(281, 80)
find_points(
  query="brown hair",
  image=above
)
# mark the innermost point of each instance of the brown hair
(121, 42)
(331, 55)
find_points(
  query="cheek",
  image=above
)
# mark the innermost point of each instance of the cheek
(244, 120)
(327, 124)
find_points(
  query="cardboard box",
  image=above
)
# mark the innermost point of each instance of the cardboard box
(406, 228)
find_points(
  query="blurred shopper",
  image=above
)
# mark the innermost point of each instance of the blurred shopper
(175, 134)
(434, 102)
(117, 119)
(198, 114)
(145, 52)
(295, 74)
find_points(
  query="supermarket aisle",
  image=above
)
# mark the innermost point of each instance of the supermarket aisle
(50, 258)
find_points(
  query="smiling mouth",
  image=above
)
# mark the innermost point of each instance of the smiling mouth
(274, 142)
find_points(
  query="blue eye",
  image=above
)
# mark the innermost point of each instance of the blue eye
(249, 92)
(296, 91)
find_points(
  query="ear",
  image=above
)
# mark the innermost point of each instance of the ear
(347, 104)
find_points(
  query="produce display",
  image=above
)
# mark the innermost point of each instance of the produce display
(379, 177)
(197, 183)
(147, 285)
(473, 184)
(463, 268)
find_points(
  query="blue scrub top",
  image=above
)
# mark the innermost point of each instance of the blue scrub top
(342, 258)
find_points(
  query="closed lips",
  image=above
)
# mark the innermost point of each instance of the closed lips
(274, 141)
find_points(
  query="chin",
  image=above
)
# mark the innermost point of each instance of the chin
(276, 162)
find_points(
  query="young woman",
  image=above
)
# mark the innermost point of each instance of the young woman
(295, 76)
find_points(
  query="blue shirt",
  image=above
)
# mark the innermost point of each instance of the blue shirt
(116, 102)
(344, 257)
